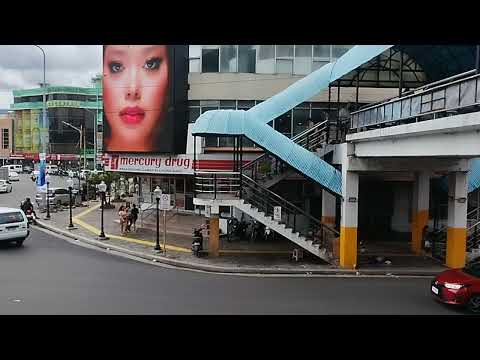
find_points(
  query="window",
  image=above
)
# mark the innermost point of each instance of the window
(11, 217)
(303, 59)
(228, 58)
(247, 58)
(283, 124)
(339, 50)
(5, 139)
(194, 53)
(266, 59)
(210, 60)
(211, 141)
(284, 55)
(193, 114)
(321, 51)
(318, 64)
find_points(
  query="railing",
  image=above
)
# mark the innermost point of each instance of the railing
(291, 215)
(218, 184)
(439, 243)
(311, 139)
(459, 92)
(473, 237)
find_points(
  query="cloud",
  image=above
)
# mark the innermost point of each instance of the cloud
(21, 67)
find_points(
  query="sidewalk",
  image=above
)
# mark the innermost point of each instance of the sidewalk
(256, 261)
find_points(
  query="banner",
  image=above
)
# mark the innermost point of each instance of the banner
(41, 178)
(181, 164)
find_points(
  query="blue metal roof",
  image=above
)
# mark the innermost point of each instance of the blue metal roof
(474, 176)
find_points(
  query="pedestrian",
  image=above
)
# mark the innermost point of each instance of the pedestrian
(122, 214)
(128, 217)
(134, 217)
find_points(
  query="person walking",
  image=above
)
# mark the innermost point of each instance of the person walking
(122, 214)
(128, 218)
(134, 217)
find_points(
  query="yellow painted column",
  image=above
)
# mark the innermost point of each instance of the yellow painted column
(349, 219)
(214, 236)
(328, 208)
(457, 220)
(420, 210)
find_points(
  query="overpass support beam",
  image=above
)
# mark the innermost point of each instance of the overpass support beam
(457, 220)
(349, 212)
(328, 208)
(420, 209)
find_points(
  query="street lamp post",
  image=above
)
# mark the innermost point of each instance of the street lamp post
(48, 203)
(70, 186)
(102, 187)
(158, 192)
(44, 115)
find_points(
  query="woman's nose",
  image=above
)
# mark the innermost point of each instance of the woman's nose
(133, 93)
(133, 86)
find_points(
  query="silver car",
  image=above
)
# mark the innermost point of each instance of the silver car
(5, 186)
(56, 196)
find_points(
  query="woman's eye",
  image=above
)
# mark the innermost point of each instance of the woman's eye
(152, 64)
(115, 67)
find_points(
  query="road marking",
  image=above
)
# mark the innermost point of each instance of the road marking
(133, 240)
(83, 213)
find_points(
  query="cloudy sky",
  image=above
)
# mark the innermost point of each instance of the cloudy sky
(21, 67)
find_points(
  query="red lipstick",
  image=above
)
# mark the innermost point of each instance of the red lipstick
(132, 115)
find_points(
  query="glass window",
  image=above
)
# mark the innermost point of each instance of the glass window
(246, 58)
(300, 120)
(5, 139)
(318, 115)
(225, 141)
(284, 66)
(246, 104)
(194, 65)
(303, 59)
(318, 64)
(208, 108)
(180, 185)
(321, 51)
(193, 114)
(210, 60)
(339, 50)
(230, 104)
(211, 141)
(210, 103)
(194, 51)
(193, 102)
(228, 58)
(266, 59)
(283, 124)
(11, 217)
(247, 143)
(284, 50)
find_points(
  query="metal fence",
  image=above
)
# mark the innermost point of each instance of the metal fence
(448, 95)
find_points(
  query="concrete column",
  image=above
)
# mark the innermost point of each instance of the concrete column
(349, 212)
(214, 236)
(457, 220)
(328, 208)
(420, 209)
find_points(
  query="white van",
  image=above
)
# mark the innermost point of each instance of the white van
(15, 168)
(13, 225)
(52, 169)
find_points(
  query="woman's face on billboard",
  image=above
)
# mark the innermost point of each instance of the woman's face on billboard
(135, 94)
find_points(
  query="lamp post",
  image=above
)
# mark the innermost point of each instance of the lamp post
(44, 115)
(48, 203)
(102, 187)
(158, 193)
(70, 186)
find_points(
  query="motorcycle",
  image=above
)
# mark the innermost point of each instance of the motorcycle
(197, 243)
(30, 217)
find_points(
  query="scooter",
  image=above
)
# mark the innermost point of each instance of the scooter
(197, 243)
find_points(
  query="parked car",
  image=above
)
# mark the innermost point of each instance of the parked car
(5, 186)
(459, 287)
(27, 169)
(13, 225)
(16, 168)
(56, 196)
(51, 169)
(13, 176)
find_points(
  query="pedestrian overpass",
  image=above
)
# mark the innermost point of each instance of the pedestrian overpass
(382, 137)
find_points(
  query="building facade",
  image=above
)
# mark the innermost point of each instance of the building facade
(77, 106)
(6, 136)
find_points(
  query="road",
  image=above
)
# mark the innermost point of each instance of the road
(50, 275)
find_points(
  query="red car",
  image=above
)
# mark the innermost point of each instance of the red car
(459, 287)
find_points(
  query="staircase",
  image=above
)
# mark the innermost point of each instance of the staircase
(294, 223)
(473, 233)
(268, 170)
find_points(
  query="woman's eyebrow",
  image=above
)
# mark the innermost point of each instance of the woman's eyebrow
(151, 48)
(116, 52)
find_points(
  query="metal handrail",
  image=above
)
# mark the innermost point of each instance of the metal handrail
(419, 94)
(294, 139)
(295, 208)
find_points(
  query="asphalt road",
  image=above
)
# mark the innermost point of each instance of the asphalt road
(50, 275)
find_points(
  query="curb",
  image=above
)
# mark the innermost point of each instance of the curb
(231, 270)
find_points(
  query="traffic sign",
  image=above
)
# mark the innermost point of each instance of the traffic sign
(277, 213)
(165, 202)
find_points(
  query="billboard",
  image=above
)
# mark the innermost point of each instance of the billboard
(145, 98)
